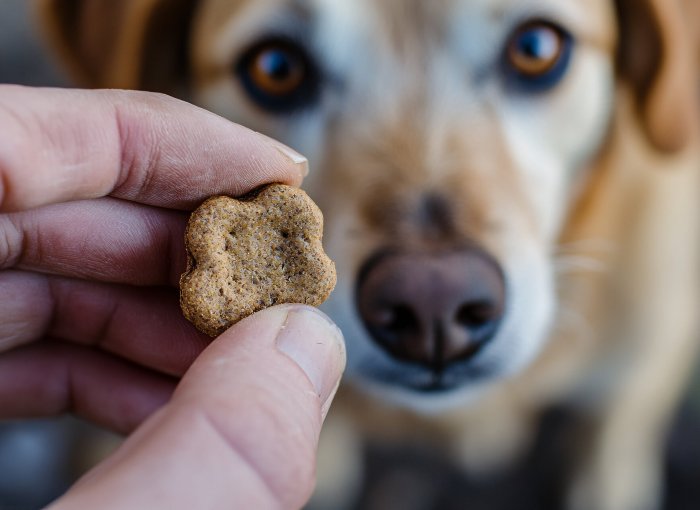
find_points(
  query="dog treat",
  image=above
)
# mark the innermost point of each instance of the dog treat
(247, 254)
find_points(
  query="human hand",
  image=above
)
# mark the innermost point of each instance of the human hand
(93, 192)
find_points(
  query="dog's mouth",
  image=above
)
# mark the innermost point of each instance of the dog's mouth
(439, 384)
(418, 379)
(420, 389)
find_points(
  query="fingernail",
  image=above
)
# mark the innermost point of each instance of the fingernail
(316, 344)
(297, 159)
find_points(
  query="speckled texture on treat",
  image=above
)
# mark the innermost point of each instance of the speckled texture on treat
(251, 253)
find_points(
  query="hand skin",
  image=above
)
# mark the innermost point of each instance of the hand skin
(95, 187)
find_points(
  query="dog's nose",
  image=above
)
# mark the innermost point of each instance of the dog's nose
(432, 309)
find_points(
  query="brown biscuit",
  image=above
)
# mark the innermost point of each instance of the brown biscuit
(250, 253)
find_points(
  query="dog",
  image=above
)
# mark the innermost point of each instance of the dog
(511, 192)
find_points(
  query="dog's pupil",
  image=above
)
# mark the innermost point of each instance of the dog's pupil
(538, 44)
(276, 64)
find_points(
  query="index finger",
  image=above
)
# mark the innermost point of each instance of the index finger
(65, 144)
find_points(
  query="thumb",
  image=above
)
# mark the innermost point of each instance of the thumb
(241, 430)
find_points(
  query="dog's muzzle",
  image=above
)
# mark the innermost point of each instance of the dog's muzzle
(433, 310)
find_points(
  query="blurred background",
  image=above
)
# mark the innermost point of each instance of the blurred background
(40, 458)
(23, 58)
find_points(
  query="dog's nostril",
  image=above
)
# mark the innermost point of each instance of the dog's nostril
(432, 309)
(398, 319)
(477, 315)
(392, 323)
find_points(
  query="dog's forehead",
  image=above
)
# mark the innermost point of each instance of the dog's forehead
(379, 29)
(430, 46)
(416, 35)
(413, 18)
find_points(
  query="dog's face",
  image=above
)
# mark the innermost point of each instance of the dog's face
(446, 140)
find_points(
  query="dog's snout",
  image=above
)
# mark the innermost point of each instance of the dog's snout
(432, 309)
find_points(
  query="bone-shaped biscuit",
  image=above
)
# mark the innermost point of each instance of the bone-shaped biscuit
(247, 254)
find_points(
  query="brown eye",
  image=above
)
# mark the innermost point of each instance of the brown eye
(278, 75)
(276, 70)
(536, 48)
(537, 56)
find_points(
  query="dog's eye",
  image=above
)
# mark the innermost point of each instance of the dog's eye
(278, 75)
(538, 54)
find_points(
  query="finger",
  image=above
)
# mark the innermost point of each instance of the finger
(107, 240)
(242, 428)
(49, 379)
(145, 326)
(59, 145)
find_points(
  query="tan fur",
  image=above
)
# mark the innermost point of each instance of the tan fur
(620, 236)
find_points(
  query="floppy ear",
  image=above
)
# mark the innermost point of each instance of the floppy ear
(656, 56)
(134, 44)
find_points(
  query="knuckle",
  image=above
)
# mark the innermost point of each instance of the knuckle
(10, 242)
(138, 145)
(20, 153)
(15, 153)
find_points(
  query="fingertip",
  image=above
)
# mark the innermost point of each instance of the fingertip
(302, 334)
(316, 345)
(297, 161)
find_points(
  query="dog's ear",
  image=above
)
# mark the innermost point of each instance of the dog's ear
(134, 44)
(656, 57)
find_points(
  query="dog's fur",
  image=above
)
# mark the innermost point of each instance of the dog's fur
(588, 196)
